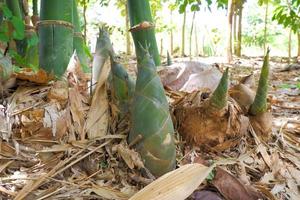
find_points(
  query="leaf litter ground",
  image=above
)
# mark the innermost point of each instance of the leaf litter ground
(45, 154)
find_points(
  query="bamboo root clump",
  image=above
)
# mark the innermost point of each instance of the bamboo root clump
(210, 122)
(220, 120)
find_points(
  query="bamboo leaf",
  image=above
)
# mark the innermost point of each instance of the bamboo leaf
(178, 184)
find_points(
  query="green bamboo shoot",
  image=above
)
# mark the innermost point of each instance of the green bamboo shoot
(122, 86)
(259, 105)
(219, 97)
(142, 29)
(169, 60)
(151, 120)
(56, 35)
(103, 51)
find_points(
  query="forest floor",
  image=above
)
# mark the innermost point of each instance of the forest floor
(44, 153)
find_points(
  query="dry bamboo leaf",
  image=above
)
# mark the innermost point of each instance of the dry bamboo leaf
(58, 92)
(56, 148)
(7, 150)
(131, 157)
(98, 115)
(263, 151)
(177, 184)
(77, 110)
(40, 77)
(4, 190)
(231, 188)
(4, 165)
(108, 193)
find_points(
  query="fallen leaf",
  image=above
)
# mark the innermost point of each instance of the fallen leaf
(231, 188)
(177, 184)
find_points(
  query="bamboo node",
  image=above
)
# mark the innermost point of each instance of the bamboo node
(145, 25)
(78, 34)
(54, 22)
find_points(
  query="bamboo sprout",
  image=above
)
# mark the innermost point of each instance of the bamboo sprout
(142, 29)
(260, 102)
(169, 60)
(122, 86)
(219, 98)
(56, 35)
(151, 120)
(103, 51)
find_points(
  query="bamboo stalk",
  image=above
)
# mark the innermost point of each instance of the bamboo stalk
(35, 16)
(35, 7)
(142, 29)
(78, 40)
(56, 35)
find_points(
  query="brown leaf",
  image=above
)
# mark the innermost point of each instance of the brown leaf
(77, 110)
(40, 77)
(206, 195)
(231, 188)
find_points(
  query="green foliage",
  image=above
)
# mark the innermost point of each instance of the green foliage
(254, 35)
(287, 13)
(12, 27)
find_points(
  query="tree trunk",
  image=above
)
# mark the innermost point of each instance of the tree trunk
(234, 32)
(239, 33)
(196, 42)
(84, 20)
(171, 34)
(298, 44)
(290, 47)
(56, 35)
(183, 35)
(161, 47)
(266, 26)
(191, 34)
(128, 43)
(229, 34)
(142, 29)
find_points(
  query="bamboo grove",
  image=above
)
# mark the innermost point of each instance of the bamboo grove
(152, 133)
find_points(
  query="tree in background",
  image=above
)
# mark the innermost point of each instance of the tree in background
(229, 30)
(266, 4)
(287, 13)
(237, 27)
